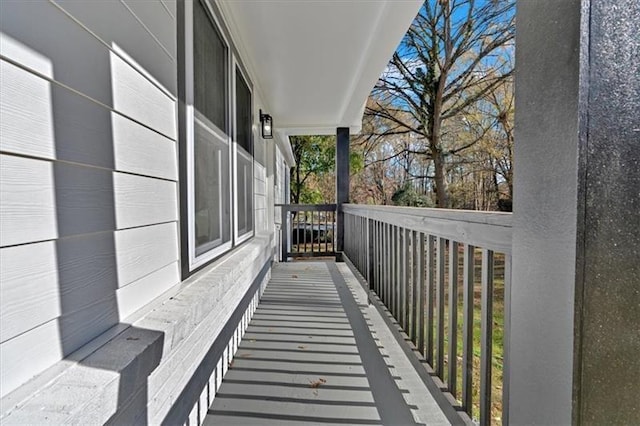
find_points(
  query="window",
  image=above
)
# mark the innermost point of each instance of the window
(219, 142)
(244, 158)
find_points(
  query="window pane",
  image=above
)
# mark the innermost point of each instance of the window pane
(245, 192)
(243, 114)
(210, 68)
(244, 139)
(212, 189)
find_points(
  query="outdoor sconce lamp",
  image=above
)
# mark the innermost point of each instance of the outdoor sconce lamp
(267, 125)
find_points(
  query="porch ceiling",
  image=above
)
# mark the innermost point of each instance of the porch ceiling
(316, 61)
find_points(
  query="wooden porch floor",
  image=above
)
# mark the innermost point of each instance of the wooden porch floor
(316, 353)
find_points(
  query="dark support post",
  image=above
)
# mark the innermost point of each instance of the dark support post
(342, 184)
(575, 305)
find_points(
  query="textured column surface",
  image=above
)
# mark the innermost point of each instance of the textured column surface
(575, 297)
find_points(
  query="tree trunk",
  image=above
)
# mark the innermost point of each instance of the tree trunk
(442, 198)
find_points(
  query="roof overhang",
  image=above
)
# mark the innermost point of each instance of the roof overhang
(316, 61)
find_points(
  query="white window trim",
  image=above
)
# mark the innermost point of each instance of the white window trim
(236, 233)
(197, 261)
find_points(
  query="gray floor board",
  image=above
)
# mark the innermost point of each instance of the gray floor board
(300, 361)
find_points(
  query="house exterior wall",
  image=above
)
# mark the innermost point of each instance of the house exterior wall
(89, 209)
(89, 170)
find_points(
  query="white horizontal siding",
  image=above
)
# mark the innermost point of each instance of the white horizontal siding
(260, 199)
(26, 109)
(123, 29)
(140, 150)
(141, 251)
(85, 64)
(27, 201)
(71, 54)
(138, 98)
(29, 294)
(59, 279)
(80, 131)
(137, 294)
(88, 193)
(143, 201)
(158, 22)
(38, 350)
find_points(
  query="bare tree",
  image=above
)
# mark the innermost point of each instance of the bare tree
(455, 53)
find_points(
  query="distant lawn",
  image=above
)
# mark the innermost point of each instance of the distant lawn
(498, 339)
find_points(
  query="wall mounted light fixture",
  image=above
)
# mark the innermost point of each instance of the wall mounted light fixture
(267, 125)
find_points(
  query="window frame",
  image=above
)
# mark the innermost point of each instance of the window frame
(240, 238)
(191, 262)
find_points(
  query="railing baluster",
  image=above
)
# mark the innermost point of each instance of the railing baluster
(440, 305)
(326, 232)
(431, 282)
(467, 329)
(376, 245)
(314, 236)
(297, 228)
(399, 275)
(415, 285)
(334, 229)
(453, 317)
(486, 333)
(394, 269)
(304, 218)
(389, 256)
(286, 231)
(391, 263)
(407, 280)
(506, 339)
(401, 268)
(383, 260)
(422, 292)
(363, 244)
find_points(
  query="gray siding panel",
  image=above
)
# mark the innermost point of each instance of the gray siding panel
(141, 251)
(29, 295)
(129, 35)
(27, 201)
(40, 36)
(141, 201)
(27, 117)
(88, 194)
(138, 293)
(155, 18)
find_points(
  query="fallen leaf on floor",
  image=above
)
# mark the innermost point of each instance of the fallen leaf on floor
(294, 276)
(317, 383)
(302, 347)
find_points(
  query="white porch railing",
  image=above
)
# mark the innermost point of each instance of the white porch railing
(421, 262)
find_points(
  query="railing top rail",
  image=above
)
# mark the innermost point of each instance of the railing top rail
(308, 207)
(492, 230)
(489, 218)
